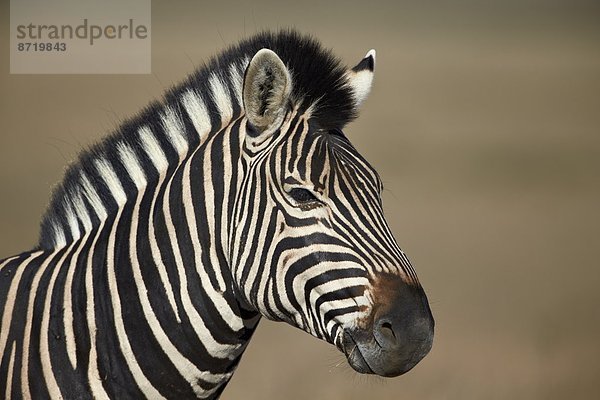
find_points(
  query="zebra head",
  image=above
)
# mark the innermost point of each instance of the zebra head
(310, 245)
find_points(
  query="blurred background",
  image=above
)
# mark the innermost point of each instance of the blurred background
(484, 122)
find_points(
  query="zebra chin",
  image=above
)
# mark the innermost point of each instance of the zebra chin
(397, 334)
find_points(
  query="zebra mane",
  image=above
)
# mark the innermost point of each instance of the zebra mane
(319, 83)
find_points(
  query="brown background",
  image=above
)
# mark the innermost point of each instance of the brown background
(484, 122)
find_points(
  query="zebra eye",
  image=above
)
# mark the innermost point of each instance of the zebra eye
(302, 195)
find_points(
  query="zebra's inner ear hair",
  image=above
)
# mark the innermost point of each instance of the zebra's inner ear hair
(266, 90)
(360, 78)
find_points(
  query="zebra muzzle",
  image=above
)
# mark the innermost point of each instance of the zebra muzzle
(397, 334)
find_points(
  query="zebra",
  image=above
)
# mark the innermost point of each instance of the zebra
(236, 196)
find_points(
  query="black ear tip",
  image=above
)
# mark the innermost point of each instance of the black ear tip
(367, 63)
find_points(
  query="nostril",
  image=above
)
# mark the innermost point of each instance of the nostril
(385, 335)
(387, 330)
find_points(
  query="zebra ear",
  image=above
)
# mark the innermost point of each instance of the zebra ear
(360, 78)
(266, 90)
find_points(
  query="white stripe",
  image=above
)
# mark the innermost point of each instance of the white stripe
(227, 188)
(72, 220)
(5, 262)
(29, 321)
(209, 204)
(196, 110)
(236, 75)
(173, 127)
(154, 151)
(9, 378)
(93, 372)
(68, 304)
(112, 181)
(92, 196)
(158, 158)
(220, 95)
(59, 235)
(81, 210)
(132, 165)
(67, 295)
(9, 306)
(44, 348)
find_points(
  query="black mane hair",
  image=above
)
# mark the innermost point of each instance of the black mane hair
(318, 76)
(319, 81)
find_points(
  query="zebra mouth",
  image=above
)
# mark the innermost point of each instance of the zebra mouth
(355, 358)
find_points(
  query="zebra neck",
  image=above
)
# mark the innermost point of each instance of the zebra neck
(174, 241)
(151, 302)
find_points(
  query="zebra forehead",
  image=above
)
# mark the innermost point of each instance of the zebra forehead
(331, 148)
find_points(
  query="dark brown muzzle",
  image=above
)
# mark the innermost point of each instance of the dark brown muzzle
(397, 334)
